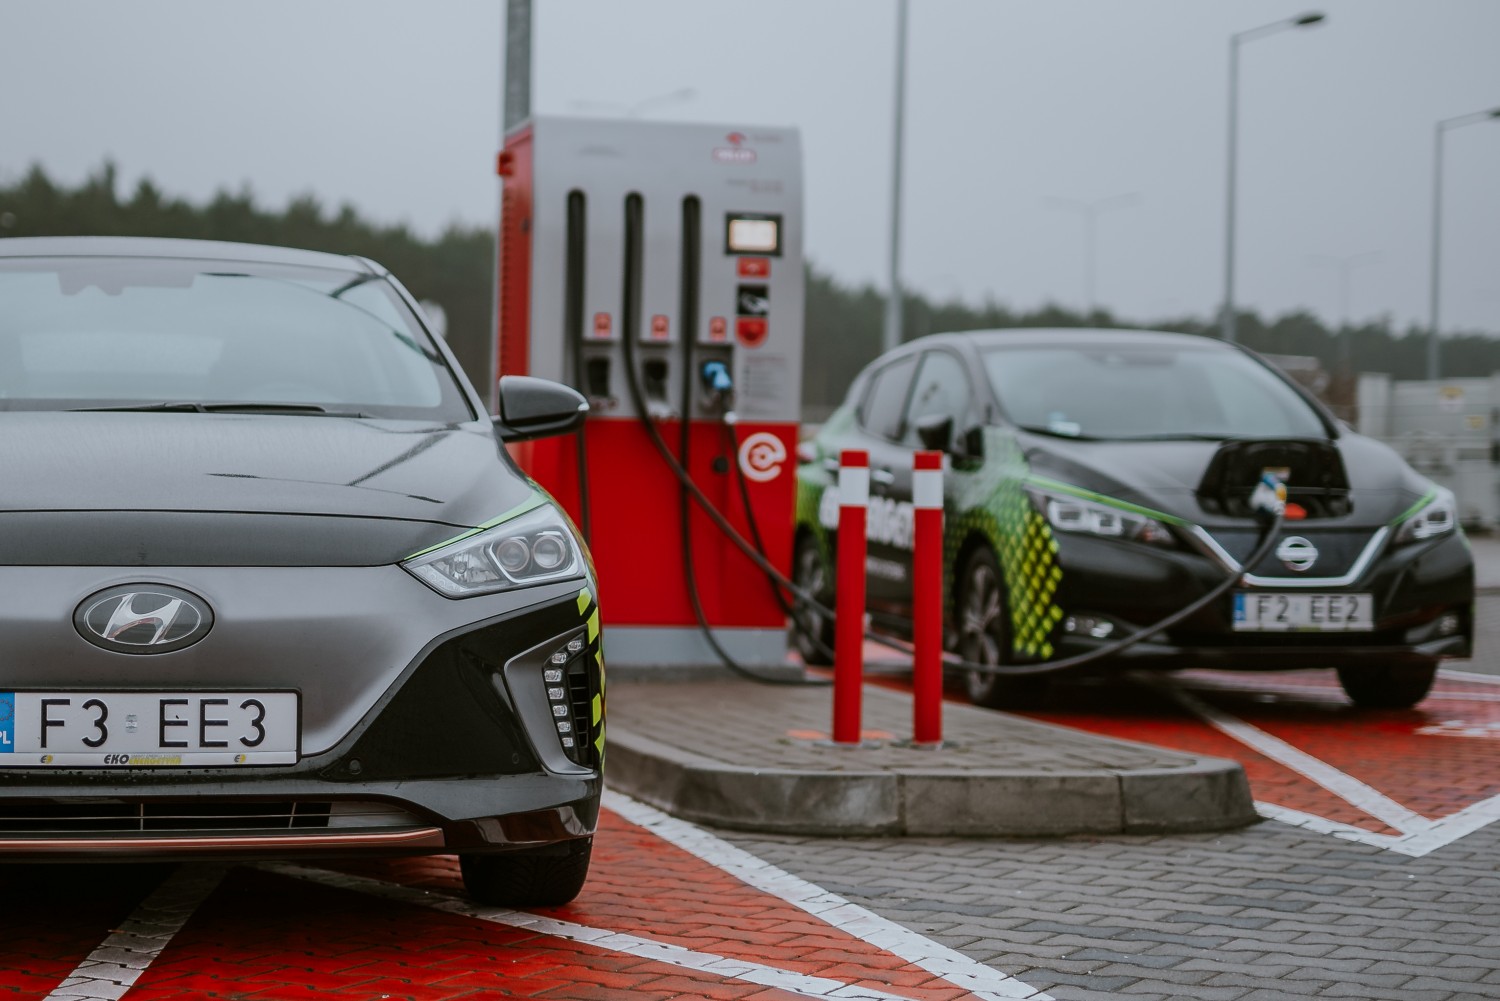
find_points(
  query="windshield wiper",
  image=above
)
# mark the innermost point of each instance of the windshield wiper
(1053, 433)
(1174, 436)
(298, 409)
(1164, 436)
(144, 407)
(310, 409)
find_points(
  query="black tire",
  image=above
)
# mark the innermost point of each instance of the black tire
(1387, 686)
(532, 877)
(811, 632)
(984, 636)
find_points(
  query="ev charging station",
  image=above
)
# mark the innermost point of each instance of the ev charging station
(663, 262)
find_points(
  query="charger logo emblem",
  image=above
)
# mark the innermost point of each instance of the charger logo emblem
(761, 457)
(1297, 553)
(143, 618)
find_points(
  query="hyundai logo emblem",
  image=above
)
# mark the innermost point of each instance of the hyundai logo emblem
(143, 618)
(1297, 553)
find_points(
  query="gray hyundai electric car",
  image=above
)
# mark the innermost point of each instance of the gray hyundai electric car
(270, 586)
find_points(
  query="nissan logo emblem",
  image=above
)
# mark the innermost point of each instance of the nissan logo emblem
(1297, 553)
(143, 618)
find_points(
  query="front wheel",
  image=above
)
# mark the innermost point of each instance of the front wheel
(1387, 686)
(984, 637)
(531, 877)
(812, 631)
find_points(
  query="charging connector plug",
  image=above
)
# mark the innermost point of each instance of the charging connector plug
(716, 378)
(1268, 500)
(717, 384)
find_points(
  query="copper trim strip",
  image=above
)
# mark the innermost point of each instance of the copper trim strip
(422, 837)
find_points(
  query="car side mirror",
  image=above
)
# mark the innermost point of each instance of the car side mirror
(935, 431)
(537, 408)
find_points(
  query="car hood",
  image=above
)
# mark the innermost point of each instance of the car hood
(266, 489)
(1164, 475)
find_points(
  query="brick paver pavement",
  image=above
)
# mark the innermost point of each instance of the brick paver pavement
(1269, 912)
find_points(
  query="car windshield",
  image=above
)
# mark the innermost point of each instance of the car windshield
(171, 334)
(1138, 391)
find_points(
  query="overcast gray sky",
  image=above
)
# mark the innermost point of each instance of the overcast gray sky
(393, 105)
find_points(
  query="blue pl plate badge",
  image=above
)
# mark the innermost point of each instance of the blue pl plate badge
(7, 722)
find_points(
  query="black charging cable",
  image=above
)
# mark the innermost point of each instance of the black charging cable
(631, 300)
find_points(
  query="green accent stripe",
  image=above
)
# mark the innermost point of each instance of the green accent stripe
(1419, 505)
(1082, 494)
(531, 503)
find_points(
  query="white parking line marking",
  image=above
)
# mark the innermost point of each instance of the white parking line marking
(1457, 675)
(1437, 834)
(113, 968)
(1330, 693)
(1341, 784)
(1418, 836)
(918, 950)
(599, 938)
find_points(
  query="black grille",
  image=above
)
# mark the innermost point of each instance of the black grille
(581, 702)
(112, 816)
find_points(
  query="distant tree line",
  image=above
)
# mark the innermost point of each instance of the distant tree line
(843, 323)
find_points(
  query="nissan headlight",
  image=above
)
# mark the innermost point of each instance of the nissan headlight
(532, 548)
(1067, 513)
(1438, 515)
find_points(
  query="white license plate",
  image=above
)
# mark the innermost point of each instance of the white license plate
(147, 729)
(1273, 612)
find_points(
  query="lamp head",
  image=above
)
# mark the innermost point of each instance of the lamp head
(1308, 19)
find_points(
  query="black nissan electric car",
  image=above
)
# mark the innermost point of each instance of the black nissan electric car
(272, 586)
(1100, 480)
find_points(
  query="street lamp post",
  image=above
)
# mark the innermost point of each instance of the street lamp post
(1442, 129)
(1346, 266)
(1091, 210)
(1235, 41)
(892, 333)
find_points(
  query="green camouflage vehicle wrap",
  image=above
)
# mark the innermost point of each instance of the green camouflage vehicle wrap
(985, 504)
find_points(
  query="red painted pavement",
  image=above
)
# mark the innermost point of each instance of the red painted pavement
(267, 936)
(54, 916)
(1435, 759)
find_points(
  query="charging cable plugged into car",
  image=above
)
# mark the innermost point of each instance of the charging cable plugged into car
(1269, 511)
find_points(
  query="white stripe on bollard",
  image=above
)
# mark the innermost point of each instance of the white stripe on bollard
(927, 489)
(854, 486)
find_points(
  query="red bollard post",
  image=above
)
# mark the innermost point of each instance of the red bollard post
(849, 595)
(927, 598)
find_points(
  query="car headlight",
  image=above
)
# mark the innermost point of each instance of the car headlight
(1102, 517)
(532, 548)
(1436, 515)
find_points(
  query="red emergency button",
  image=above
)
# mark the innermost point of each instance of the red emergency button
(659, 327)
(750, 330)
(755, 267)
(718, 329)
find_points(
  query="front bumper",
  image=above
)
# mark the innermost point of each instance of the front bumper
(461, 753)
(1415, 588)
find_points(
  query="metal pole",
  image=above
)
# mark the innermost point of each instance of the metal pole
(1227, 320)
(1091, 211)
(1346, 270)
(1090, 217)
(893, 304)
(1434, 366)
(1346, 330)
(1303, 21)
